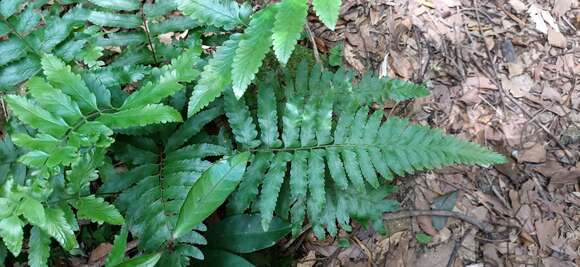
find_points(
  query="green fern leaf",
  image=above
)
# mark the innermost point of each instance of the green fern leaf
(36, 117)
(127, 5)
(267, 114)
(9, 7)
(97, 210)
(126, 21)
(154, 92)
(149, 260)
(18, 72)
(54, 100)
(254, 45)
(38, 248)
(216, 76)
(317, 196)
(248, 189)
(12, 50)
(288, 26)
(270, 190)
(61, 76)
(192, 126)
(327, 11)
(12, 234)
(298, 190)
(240, 120)
(140, 116)
(33, 211)
(59, 228)
(209, 192)
(117, 253)
(226, 14)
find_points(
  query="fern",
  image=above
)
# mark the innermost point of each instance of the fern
(73, 133)
(225, 14)
(154, 188)
(358, 149)
(25, 39)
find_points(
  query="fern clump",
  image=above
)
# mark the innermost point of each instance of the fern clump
(329, 158)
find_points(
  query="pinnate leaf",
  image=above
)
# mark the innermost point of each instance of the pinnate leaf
(148, 260)
(220, 13)
(288, 26)
(140, 116)
(61, 76)
(255, 44)
(97, 210)
(36, 117)
(12, 234)
(117, 253)
(327, 11)
(38, 248)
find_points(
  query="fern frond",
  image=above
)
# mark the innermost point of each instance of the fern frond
(226, 14)
(127, 5)
(140, 116)
(327, 11)
(359, 150)
(254, 45)
(288, 26)
(154, 188)
(215, 77)
(60, 74)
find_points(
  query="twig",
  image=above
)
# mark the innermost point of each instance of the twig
(456, 246)
(445, 213)
(314, 46)
(294, 239)
(365, 249)
(148, 34)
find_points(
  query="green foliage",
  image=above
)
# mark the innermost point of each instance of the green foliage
(358, 148)
(244, 233)
(97, 92)
(278, 25)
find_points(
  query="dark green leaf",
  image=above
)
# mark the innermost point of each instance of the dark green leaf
(210, 191)
(244, 233)
(222, 258)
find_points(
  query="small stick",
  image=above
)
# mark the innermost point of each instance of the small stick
(487, 228)
(314, 46)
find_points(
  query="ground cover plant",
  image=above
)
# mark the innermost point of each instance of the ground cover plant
(118, 122)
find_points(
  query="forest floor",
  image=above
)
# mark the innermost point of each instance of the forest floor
(501, 73)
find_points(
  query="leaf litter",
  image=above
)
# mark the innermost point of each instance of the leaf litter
(503, 74)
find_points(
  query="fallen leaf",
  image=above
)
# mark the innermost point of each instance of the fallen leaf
(100, 252)
(424, 221)
(535, 154)
(480, 82)
(518, 86)
(552, 94)
(308, 261)
(550, 20)
(561, 7)
(557, 39)
(518, 5)
(536, 17)
(352, 59)
(565, 177)
(402, 66)
(546, 230)
(515, 69)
